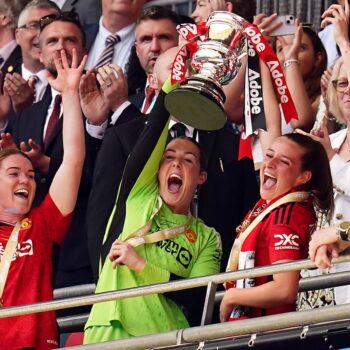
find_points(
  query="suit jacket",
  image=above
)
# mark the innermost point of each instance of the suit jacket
(30, 124)
(230, 191)
(137, 99)
(91, 32)
(89, 11)
(13, 63)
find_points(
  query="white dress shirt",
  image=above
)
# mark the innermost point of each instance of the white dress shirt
(59, 3)
(121, 49)
(6, 50)
(41, 83)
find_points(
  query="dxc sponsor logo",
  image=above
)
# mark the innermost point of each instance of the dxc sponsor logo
(255, 95)
(287, 240)
(182, 255)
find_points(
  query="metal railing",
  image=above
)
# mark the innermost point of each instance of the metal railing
(163, 287)
(227, 329)
(76, 323)
(203, 332)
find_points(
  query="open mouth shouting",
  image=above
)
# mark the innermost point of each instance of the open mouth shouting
(269, 181)
(174, 183)
(22, 193)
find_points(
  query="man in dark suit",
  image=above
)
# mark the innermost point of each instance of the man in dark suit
(10, 52)
(46, 150)
(89, 11)
(27, 83)
(229, 192)
(155, 33)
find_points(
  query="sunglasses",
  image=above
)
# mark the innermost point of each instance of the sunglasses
(66, 16)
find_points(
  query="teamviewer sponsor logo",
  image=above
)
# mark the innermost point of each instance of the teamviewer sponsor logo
(286, 241)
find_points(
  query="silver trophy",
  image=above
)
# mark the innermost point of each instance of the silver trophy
(199, 101)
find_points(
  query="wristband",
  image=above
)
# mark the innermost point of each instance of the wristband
(343, 231)
(287, 63)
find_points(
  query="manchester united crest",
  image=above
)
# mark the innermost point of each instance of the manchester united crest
(26, 224)
(191, 235)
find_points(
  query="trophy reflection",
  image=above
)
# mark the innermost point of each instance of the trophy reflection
(199, 101)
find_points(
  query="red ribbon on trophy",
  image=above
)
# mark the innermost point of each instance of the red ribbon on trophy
(190, 32)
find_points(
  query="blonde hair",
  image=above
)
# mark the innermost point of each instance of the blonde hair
(332, 94)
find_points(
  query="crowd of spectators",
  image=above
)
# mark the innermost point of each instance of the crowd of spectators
(121, 194)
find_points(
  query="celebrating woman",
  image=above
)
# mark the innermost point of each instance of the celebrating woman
(27, 235)
(159, 239)
(278, 228)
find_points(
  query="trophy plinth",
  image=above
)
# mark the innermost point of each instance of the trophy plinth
(199, 101)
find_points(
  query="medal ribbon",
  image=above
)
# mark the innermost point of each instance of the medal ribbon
(232, 265)
(189, 32)
(7, 258)
(140, 236)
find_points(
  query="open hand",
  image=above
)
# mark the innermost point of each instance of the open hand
(114, 86)
(91, 99)
(68, 75)
(288, 46)
(39, 160)
(7, 141)
(20, 90)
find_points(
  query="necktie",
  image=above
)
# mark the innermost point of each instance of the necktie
(107, 54)
(178, 130)
(53, 118)
(148, 99)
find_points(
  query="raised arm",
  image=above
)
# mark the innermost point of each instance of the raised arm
(272, 110)
(339, 16)
(65, 185)
(290, 47)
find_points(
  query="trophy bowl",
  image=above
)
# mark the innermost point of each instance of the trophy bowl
(199, 100)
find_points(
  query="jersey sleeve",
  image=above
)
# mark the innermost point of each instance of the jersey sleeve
(209, 259)
(55, 224)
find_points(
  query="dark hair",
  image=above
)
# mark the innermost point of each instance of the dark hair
(203, 159)
(315, 160)
(244, 8)
(158, 13)
(313, 80)
(4, 153)
(65, 16)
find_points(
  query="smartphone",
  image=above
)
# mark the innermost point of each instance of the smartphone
(286, 28)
